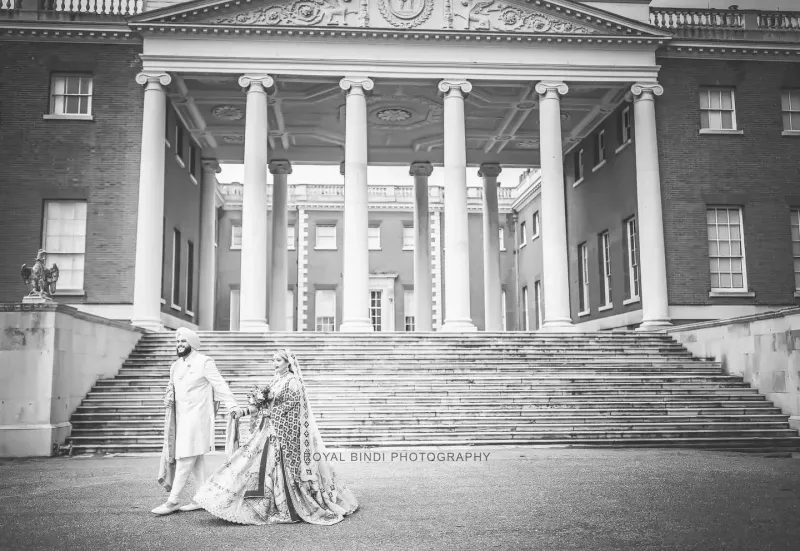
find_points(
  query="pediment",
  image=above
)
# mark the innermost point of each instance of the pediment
(551, 17)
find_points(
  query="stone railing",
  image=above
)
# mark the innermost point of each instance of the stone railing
(378, 194)
(75, 7)
(678, 19)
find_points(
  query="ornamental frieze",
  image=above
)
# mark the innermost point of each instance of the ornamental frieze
(297, 13)
(493, 15)
(406, 14)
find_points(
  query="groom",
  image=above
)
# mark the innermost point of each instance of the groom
(194, 385)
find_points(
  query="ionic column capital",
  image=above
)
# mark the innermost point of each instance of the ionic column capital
(460, 85)
(159, 79)
(357, 84)
(256, 83)
(420, 168)
(646, 91)
(211, 165)
(551, 89)
(490, 170)
(280, 166)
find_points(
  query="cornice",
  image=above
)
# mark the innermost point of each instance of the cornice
(207, 29)
(730, 49)
(68, 31)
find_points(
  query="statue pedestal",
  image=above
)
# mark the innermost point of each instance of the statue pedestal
(34, 299)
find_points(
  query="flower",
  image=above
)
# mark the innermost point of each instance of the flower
(259, 397)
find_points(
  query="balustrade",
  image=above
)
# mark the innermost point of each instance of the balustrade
(95, 7)
(687, 18)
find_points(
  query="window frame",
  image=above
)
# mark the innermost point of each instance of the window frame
(633, 275)
(523, 234)
(189, 301)
(579, 167)
(584, 307)
(370, 229)
(179, 144)
(317, 317)
(599, 150)
(408, 231)
(408, 306)
(53, 256)
(537, 298)
(791, 112)
(526, 320)
(291, 237)
(606, 285)
(743, 257)
(501, 239)
(536, 226)
(234, 245)
(52, 111)
(734, 122)
(175, 290)
(334, 237)
(794, 221)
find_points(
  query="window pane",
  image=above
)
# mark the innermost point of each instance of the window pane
(705, 121)
(713, 248)
(725, 281)
(787, 121)
(735, 265)
(727, 120)
(724, 232)
(73, 85)
(738, 281)
(733, 214)
(59, 85)
(722, 216)
(59, 103)
(86, 85)
(727, 99)
(712, 232)
(724, 248)
(72, 105)
(704, 103)
(715, 281)
(796, 249)
(736, 248)
(716, 101)
(785, 102)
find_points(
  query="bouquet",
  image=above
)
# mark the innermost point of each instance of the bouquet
(258, 397)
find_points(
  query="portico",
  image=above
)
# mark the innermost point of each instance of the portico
(433, 85)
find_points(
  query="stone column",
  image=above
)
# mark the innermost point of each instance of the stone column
(652, 253)
(456, 230)
(253, 289)
(355, 274)
(208, 251)
(423, 308)
(554, 213)
(492, 290)
(150, 214)
(280, 170)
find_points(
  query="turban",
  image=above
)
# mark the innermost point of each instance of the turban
(190, 336)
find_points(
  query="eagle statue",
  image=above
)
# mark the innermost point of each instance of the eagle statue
(40, 280)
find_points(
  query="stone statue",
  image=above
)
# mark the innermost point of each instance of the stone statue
(40, 280)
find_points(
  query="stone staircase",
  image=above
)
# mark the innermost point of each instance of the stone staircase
(619, 389)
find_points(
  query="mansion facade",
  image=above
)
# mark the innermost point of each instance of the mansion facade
(662, 149)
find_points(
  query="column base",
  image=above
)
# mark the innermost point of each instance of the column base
(253, 326)
(458, 326)
(356, 326)
(148, 324)
(654, 325)
(558, 326)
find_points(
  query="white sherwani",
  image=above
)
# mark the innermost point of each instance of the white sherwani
(197, 384)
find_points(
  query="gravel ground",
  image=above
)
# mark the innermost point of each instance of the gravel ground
(517, 498)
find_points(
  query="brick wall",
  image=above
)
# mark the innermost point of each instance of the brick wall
(757, 170)
(599, 203)
(94, 160)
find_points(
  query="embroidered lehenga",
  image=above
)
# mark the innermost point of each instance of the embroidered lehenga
(280, 474)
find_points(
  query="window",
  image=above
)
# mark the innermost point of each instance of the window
(790, 106)
(236, 237)
(605, 269)
(234, 310)
(503, 306)
(717, 109)
(167, 128)
(326, 237)
(526, 322)
(583, 274)
(64, 239)
(71, 95)
(599, 148)
(193, 162)
(579, 166)
(502, 240)
(325, 309)
(631, 261)
(409, 311)
(523, 234)
(726, 249)
(376, 310)
(537, 303)
(179, 144)
(374, 238)
(290, 310)
(625, 126)
(796, 246)
(176, 269)
(535, 231)
(189, 277)
(408, 238)
(290, 238)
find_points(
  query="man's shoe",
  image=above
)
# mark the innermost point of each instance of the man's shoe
(191, 507)
(166, 508)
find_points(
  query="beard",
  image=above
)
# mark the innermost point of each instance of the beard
(183, 352)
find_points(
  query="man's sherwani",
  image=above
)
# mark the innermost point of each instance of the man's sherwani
(197, 384)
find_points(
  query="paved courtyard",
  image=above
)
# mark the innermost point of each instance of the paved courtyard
(517, 498)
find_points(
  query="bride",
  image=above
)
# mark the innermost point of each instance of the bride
(280, 475)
